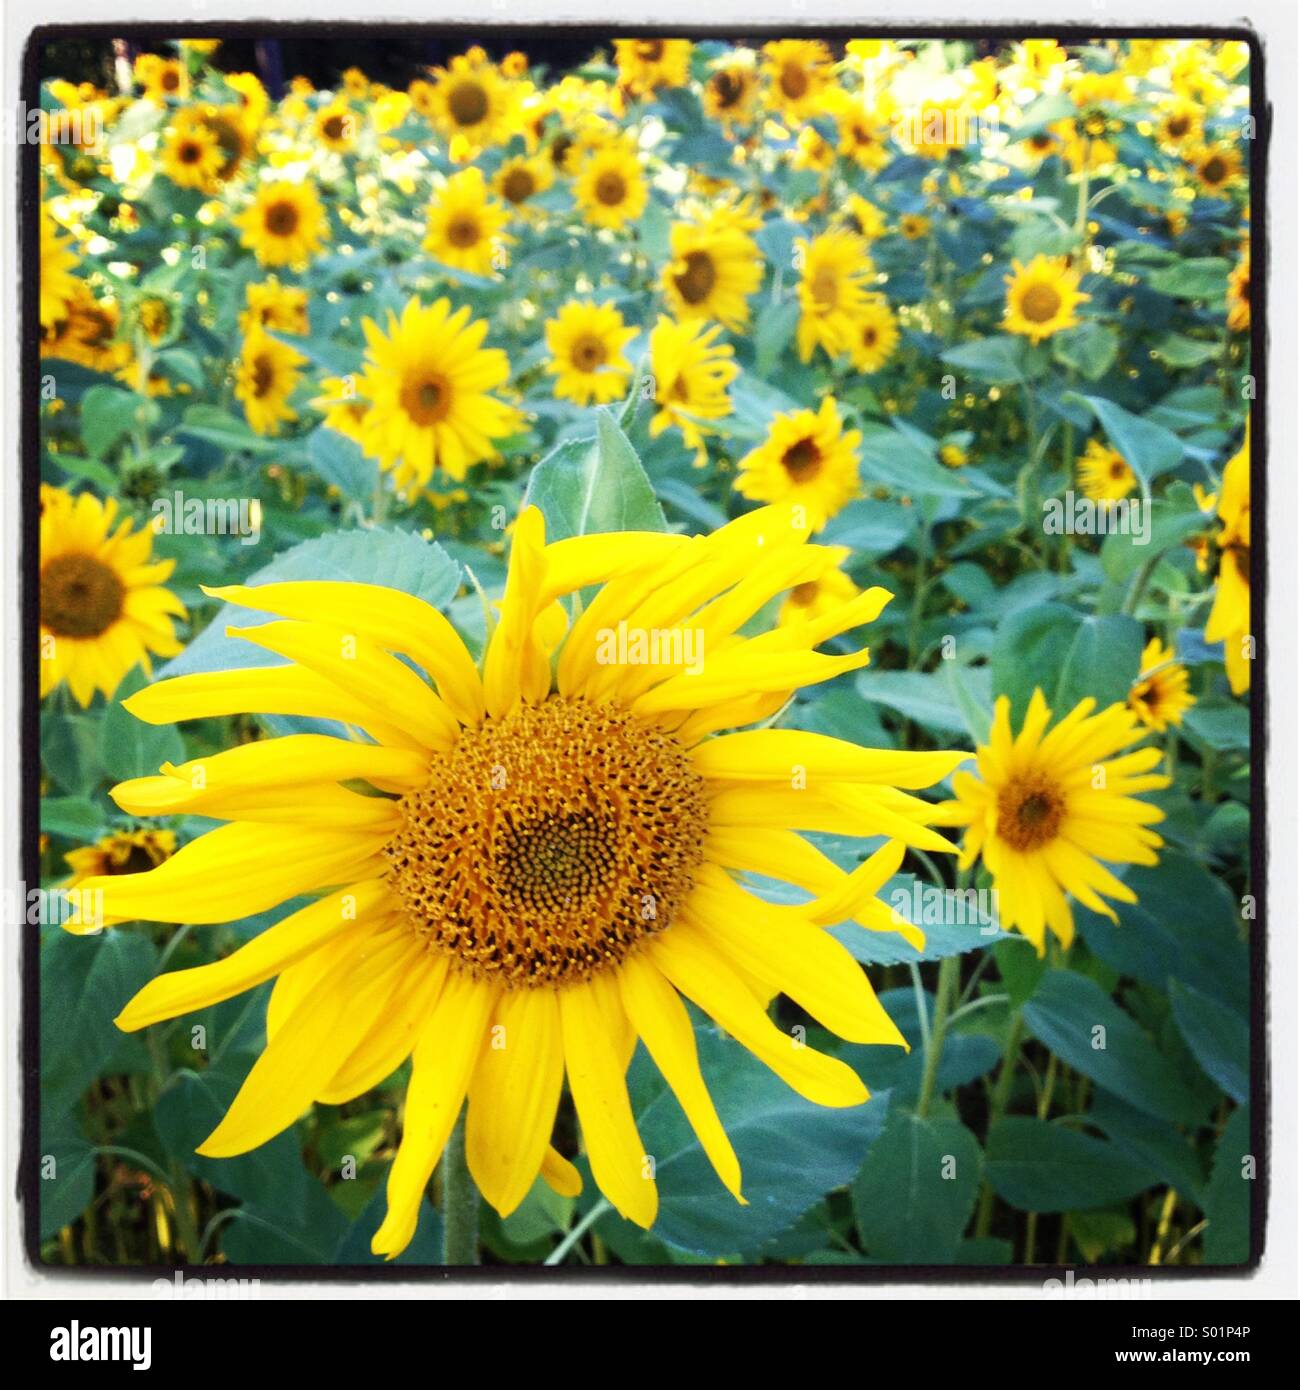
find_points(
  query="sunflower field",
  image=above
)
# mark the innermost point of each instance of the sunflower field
(645, 654)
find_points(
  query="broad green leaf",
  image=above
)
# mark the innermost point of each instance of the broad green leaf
(128, 747)
(109, 414)
(1036, 1166)
(1091, 349)
(70, 751)
(1203, 277)
(339, 460)
(1148, 449)
(1103, 662)
(1228, 1197)
(66, 1176)
(1030, 650)
(1219, 1038)
(999, 361)
(74, 817)
(924, 697)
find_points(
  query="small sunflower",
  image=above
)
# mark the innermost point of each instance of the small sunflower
(162, 78)
(1104, 474)
(265, 377)
(912, 226)
(808, 461)
(864, 136)
(335, 127)
(692, 372)
(569, 903)
(864, 218)
(286, 224)
(87, 333)
(122, 852)
(798, 73)
(875, 335)
(814, 599)
(1217, 168)
(1042, 297)
(103, 607)
(343, 407)
(586, 343)
(519, 180)
(1160, 696)
(646, 65)
(467, 225)
(1229, 620)
(730, 93)
(611, 188)
(711, 271)
(1046, 808)
(58, 261)
(275, 306)
(191, 156)
(1239, 294)
(1181, 125)
(229, 126)
(428, 381)
(469, 101)
(832, 291)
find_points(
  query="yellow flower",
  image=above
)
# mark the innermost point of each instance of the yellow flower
(467, 225)
(1217, 168)
(832, 291)
(646, 65)
(1229, 620)
(343, 408)
(568, 903)
(356, 83)
(611, 188)
(87, 333)
(122, 852)
(1042, 297)
(103, 607)
(161, 77)
(953, 456)
(864, 218)
(277, 306)
(286, 224)
(731, 92)
(265, 376)
(428, 382)
(191, 156)
(1046, 808)
(815, 598)
(692, 372)
(798, 74)
(156, 315)
(58, 261)
(1160, 696)
(864, 136)
(1104, 475)
(1239, 294)
(336, 127)
(914, 225)
(875, 335)
(228, 125)
(521, 179)
(470, 101)
(808, 461)
(252, 102)
(712, 269)
(586, 343)
(1181, 125)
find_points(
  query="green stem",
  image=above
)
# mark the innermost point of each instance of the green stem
(949, 969)
(459, 1203)
(997, 1108)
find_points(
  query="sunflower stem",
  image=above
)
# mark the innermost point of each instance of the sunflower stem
(997, 1108)
(459, 1203)
(948, 975)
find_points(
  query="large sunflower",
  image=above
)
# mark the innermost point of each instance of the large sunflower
(691, 372)
(586, 343)
(799, 72)
(467, 225)
(265, 377)
(286, 224)
(611, 189)
(544, 859)
(1042, 297)
(1229, 620)
(712, 269)
(1046, 808)
(808, 461)
(832, 292)
(103, 607)
(428, 382)
(470, 102)
(58, 261)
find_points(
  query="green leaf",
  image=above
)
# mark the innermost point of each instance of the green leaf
(1103, 662)
(588, 486)
(1091, 349)
(999, 361)
(924, 697)
(1219, 1038)
(916, 1191)
(74, 817)
(226, 431)
(128, 747)
(70, 751)
(1073, 1017)
(1030, 649)
(1203, 277)
(1021, 968)
(109, 413)
(1173, 519)
(1178, 351)
(425, 1248)
(971, 693)
(900, 461)
(340, 460)
(1096, 1233)
(1223, 726)
(1227, 1199)
(772, 333)
(67, 1178)
(1148, 449)
(1035, 1166)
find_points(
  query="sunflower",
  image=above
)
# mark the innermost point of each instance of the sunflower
(427, 382)
(808, 461)
(265, 377)
(58, 261)
(519, 180)
(156, 316)
(1217, 168)
(251, 100)
(798, 73)
(548, 856)
(344, 409)
(813, 599)
(87, 333)
(691, 371)
(191, 156)
(286, 225)
(1239, 294)
(586, 343)
(469, 101)
(730, 92)
(1181, 125)
(103, 607)
(161, 77)
(1046, 808)
(646, 65)
(1160, 697)
(467, 225)
(711, 271)
(356, 84)
(122, 852)
(875, 335)
(1042, 297)
(1104, 474)
(864, 218)
(912, 226)
(832, 291)
(335, 126)
(611, 188)
(1229, 620)
(276, 306)
(864, 136)
(229, 126)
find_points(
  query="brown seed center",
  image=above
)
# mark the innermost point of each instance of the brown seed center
(282, 219)
(611, 189)
(802, 461)
(468, 103)
(80, 596)
(1030, 809)
(1041, 303)
(696, 282)
(426, 399)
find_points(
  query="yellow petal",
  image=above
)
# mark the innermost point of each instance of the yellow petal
(784, 754)
(516, 664)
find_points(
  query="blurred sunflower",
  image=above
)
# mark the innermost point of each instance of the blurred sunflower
(427, 382)
(229, 126)
(1239, 294)
(469, 100)
(265, 377)
(875, 335)
(1229, 620)
(798, 73)
(467, 225)
(87, 333)
(520, 179)
(611, 188)
(251, 100)
(286, 224)
(343, 408)
(1103, 473)
(815, 598)
(692, 372)
(730, 91)
(1160, 696)
(832, 291)
(122, 852)
(808, 461)
(1046, 808)
(161, 77)
(646, 65)
(103, 607)
(156, 316)
(1217, 168)
(548, 857)
(58, 261)
(863, 135)
(864, 218)
(1180, 126)
(191, 156)
(1042, 297)
(586, 342)
(335, 127)
(276, 306)
(711, 271)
